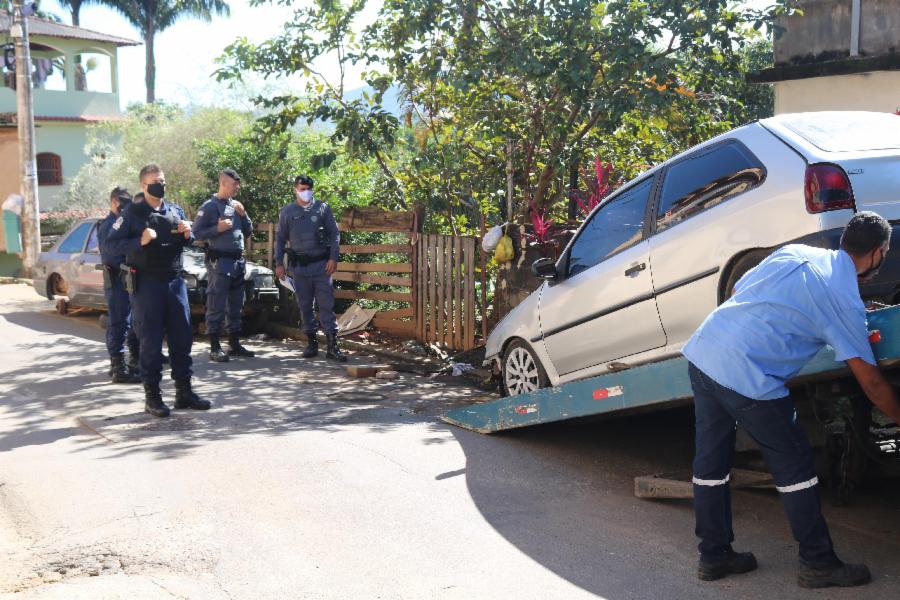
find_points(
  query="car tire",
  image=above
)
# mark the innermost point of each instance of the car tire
(104, 321)
(740, 268)
(62, 307)
(521, 370)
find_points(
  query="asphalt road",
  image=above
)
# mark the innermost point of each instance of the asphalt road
(303, 483)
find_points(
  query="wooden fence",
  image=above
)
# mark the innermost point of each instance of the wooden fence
(433, 276)
(446, 290)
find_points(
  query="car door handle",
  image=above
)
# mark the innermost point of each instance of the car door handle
(634, 270)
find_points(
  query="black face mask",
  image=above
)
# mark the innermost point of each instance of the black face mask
(124, 203)
(157, 190)
(871, 271)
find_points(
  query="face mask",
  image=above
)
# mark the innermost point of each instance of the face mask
(157, 190)
(305, 195)
(872, 271)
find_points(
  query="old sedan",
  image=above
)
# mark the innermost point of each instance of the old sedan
(70, 273)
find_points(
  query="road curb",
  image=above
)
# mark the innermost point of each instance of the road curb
(16, 280)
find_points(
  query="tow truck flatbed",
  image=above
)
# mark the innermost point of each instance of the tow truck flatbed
(649, 386)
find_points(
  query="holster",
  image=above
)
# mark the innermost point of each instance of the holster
(110, 274)
(129, 278)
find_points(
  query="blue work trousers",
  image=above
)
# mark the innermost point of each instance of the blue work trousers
(118, 329)
(160, 308)
(773, 426)
(311, 283)
(224, 302)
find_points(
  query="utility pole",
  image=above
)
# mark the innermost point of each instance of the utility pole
(31, 225)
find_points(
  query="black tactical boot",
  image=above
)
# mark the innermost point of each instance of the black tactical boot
(134, 358)
(333, 351)
(153, 402)
(216, 354)
(119, 372)
(186, 398)
(733, 563)
(234, 341)
(837, 575)
(312, 346)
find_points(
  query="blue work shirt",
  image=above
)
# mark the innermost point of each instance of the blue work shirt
(781, 314)
(299, 224)
(229, 241)
(107, 256)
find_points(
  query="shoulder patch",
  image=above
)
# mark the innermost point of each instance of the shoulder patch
(199, 213)
(118, 223)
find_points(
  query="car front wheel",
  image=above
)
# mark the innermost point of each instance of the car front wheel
(522, 370)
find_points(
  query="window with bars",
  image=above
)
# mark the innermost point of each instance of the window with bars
(49, 168)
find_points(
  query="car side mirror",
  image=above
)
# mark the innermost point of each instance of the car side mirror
(545, 268)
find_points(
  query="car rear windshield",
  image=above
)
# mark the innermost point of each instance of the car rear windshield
(847, 131)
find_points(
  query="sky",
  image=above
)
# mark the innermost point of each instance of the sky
(186, 52)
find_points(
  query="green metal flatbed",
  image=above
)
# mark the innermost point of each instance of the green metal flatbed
(648, 386)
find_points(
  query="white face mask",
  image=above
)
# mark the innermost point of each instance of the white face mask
(305, 195)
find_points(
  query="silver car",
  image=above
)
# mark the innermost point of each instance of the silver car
(70, 273)
(655, 258)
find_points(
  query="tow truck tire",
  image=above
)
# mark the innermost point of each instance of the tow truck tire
(62, 307)
(521, 370)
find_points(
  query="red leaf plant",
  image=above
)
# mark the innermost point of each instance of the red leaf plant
(541, 224)
(598, 187)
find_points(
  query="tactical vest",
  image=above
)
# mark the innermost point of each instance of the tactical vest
(161, 258)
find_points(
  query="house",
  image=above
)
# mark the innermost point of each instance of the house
(75, 81)
(837, 55)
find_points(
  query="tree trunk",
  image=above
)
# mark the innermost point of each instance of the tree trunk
(150, 72)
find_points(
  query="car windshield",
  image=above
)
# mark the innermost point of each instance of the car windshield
(847, 131)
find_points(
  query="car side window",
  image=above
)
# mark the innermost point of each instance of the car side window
(705, 180)
(74, 242)
(617, 225)
(93, 243)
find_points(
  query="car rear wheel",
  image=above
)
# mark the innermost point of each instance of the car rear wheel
(521, 370)
(741, 267)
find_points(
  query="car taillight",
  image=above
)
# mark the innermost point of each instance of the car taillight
(827, 188)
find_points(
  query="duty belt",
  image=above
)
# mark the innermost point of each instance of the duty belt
(213, 254)
(303, 259)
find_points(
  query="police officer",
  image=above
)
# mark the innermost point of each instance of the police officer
(118, 303)
(224, 224)
(152, 235)
(312, 258)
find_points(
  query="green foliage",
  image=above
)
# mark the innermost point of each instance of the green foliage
(160, 133)
(503, 99)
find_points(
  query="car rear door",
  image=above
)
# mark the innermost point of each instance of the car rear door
(71, 250)
(90, 280)
(603, 307)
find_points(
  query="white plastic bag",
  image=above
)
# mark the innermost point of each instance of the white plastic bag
(492, 238)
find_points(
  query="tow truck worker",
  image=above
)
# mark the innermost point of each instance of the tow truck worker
(781, 314)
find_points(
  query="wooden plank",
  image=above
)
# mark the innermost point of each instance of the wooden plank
(469, 328)
(447, 283)
(429, 289)
(370, 295)
(375, 267)
(379, 321)
(376, 249)
(439, 285)
(458, 293)
(415, 287)
(421, 317)
(376, 279)
(400, 329)
(403, 313)
(373, 218)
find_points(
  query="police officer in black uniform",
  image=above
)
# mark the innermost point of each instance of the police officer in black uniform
(224, 224)
(313, 256)
(118, 302)
(152, 235)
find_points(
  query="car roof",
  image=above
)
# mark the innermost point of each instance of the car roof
(848, 133)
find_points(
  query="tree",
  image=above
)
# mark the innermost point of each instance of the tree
(74, 7)
(150, 17)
